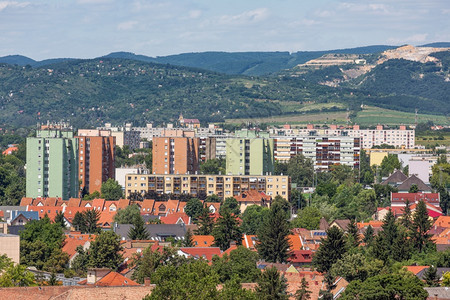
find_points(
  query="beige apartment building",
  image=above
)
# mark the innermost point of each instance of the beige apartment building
(10, 245)
(222, 185)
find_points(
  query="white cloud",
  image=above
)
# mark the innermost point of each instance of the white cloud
(15, 4)
(251, 16)
(127, 25)
(194, 14)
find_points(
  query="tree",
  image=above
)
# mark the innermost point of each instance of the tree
(273, 244)
(352, 234)
(78, 222)
(421, 225)
(369, 236)
(17, 275)
(188, 240)
(389, 164)
(80, 262)
(343, 174)
(240, 265)
(127, 215)
(91, 218)
(59, 219)
(446, 279)
(430, 277)
(213, 166)
(211, 198)
(138, 231)
(303, 293)
(193, 280)
(105, 251)
(232, 205)
(253, 218)
(226, 230)
(301, 170)
(194, 208)
(413, 189)
(205, 223)
(149, 260)
(355, 266)
(111, 190)
(308, 217)
(406, 219)
(331, 249)
(271, 285)
(386, 286)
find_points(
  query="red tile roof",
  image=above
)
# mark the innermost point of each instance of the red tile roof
(115, 279)
(172, 206)
(175, 218)
(301, 256)
(73, 240)
(203, 240)
(253, 196)
(416, 269)
(400, 198)
(204, 252)
(442, 221)
(147, 206)
(10, 150)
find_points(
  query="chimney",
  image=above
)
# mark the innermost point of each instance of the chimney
(147, 281)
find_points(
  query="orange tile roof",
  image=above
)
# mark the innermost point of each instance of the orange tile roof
(295, 242)
(26, 201)
(99, 204)
(74, 202)
(115, 279)
(181, 206)
(70, 212)
(203, 240)
(442, 221)
(216, 205)
(249, 241)
(73, 240)
(147, 206)
(371, 223)
(123, 203)
(416, 269)
(174, 218)
(252, 196)
(204, 252)
(172, 206)
(50, 211)
(10, 150)
(106, 218)
(160, 207)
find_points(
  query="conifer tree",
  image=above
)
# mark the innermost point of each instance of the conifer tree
(59, 219)
(303, 293)
(430, 277)
(272, 286)
(406, 220)
(188, 239)
(421, 225)
(369, 236)
(138, 231)
(352, 234)
(226, 230)
(332, 248)
(273, 245)
(205, 223)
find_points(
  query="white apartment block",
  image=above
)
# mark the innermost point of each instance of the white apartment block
(399, 138)
(324, 151)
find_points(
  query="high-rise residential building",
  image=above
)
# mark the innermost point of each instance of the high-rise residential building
(175, 155)
(400, 138)
(324, 151)
(221, 185)
(96, 158)
(249, 156)
(125, 135)
(52, 163)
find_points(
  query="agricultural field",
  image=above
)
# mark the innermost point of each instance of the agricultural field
(371, 115)
(434, 139)
(332, 117)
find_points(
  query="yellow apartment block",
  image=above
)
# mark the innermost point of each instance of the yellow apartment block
(377, 157)
(221, 185)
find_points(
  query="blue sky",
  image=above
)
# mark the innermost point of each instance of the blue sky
(90, 28)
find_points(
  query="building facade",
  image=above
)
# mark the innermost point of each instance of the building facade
(125, 135)
(96, 158)
(249, 156)
(399, 138)
(175, 155)
(324, 151)
(220, 185)
(52, 163)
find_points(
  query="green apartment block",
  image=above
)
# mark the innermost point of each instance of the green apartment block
(249, 156)
(52, 164)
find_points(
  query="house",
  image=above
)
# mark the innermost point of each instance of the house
(203, 240)
(341, 224)
(158, 232)
(253, 197)
(103, 277)
(300, 257)
(176, 218)
(10, 150)
(23, 217)
(200, 252)
(395, 179)
(406, 185)
(75, 239)
(399, 199)
(10, 245)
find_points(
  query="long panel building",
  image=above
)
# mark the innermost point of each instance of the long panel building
(220, 185)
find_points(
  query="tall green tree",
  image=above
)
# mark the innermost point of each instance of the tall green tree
(273, 244)
(253, 218)
(111, 190)
(308, 217)
(421, 225)
(213, 166)
(303, 293)
(331, 249)
(59, 219)
(272, 286)
(91, 218)
(240, 265)
(17, 276)
(194, 208)
(430, 276)
(205, 223)
(352, 234)
(127, 215)
(138, 231)
(105, 251)
(301, 170)
(188, 240)
(226, 230)
(232, 205)
(406, 219)
(369, 236)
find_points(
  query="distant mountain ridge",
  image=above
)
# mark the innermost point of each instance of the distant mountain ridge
(232, 63)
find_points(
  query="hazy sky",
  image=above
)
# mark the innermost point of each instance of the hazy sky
(90, 28)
